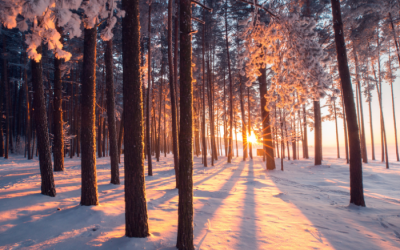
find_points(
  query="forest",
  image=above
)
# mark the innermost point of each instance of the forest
(199, 124)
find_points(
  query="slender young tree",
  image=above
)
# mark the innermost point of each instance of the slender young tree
(58, 142)
(7, 97)
(230, 154)
(148, 139)
(356, 183)
(112, 129)
(136, 219)
(318, 133)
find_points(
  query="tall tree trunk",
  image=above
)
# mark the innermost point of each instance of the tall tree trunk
(379, 91)
(282, 140)
(176, 55)
(39, 102)
(120, 136)
(337, 132)
(266, 123)
(148, 141)
(58, 141)
(249, 123)
(136, 219)
(393, 106)
(230, 154)
(244, 129)
(361, 113)
(318, 133)
(159, 114)
(3, 83)
(77, 150)
(185, 208)
(111, 113)
(394, 123)
(203, 124)
(100, 120)
(378, 85)
(356, 183)
(172, 92)
(89, 194)
(7, 97)
(305, 138)
(28, 133)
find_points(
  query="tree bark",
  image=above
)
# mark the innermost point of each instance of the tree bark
(89, 194)
(58, 142)
(305, 138)
(185, 208)
(337, 131)
(148, 141)
(203, 124)
(136, 219)
(230, 154)
(111, 113)
(249, 123)
(43, 144)
(120, 137)
(356, 183)
(266, 125)
(244, 129)
(361, 113)
(28, 133)
(318, 133)
(6, 95)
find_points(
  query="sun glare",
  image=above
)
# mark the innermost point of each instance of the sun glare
(252, 138)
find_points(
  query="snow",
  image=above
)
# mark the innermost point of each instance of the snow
(237, 206)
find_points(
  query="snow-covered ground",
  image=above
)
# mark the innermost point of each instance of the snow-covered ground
(237, 206)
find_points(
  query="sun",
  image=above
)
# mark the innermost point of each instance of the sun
(252, 138)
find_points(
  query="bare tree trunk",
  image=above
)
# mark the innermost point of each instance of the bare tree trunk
(185, 207)
(28, 133)
(282, 141)
(249, 119)
(148, 141)
(230, 154)
(394, 123)
(111, 113)
(337, 132)
(356, 183)
(318, 133)
(305, 138)
(46, 171)
(203, 125)
(7, 97)
(378, 85)
(379, 90)
(244, 129)
(89, 194)
(58, 141)
(136, 219)
(120, 136)
(361, 113)
(266, 124)
(159, 114)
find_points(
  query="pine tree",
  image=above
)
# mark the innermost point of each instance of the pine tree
(356, 183)
(136, 219)
(89, 194)
(39, 105)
